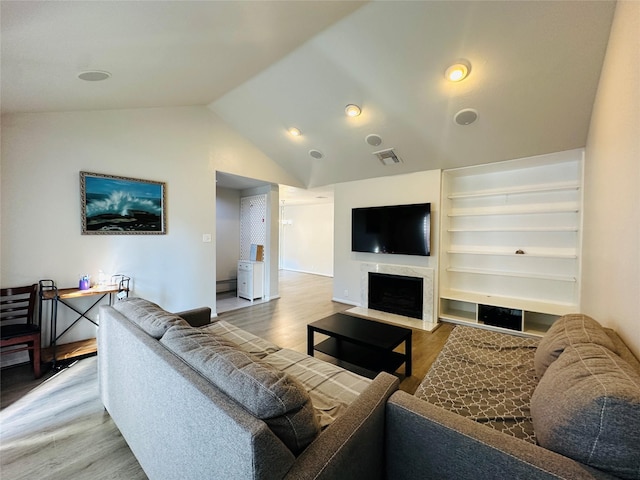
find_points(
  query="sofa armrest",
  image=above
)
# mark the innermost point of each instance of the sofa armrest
(426, 441)
(352, 446)
(196, 317)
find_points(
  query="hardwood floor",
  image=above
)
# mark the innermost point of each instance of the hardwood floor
(56, 427)
(60, 430)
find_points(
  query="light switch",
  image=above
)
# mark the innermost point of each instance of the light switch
(206, 237)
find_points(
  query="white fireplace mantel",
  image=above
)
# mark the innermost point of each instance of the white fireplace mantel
(427, 323)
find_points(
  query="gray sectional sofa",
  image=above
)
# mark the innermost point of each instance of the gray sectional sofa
(217, 402)
(196, 400)
(495, 405)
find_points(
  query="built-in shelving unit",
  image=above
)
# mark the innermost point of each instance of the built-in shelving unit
(511, 242)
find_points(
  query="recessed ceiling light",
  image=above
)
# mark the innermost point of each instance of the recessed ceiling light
(352, 110)
(458, 71)
(94, 75)
(295, 132)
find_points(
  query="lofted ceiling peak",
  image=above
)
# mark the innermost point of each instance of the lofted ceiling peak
(264, 67)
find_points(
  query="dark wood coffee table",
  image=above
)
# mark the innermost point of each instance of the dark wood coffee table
(361, 342)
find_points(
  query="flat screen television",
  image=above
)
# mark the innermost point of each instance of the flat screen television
(394, 229)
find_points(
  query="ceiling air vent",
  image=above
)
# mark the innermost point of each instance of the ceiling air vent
(388, 157)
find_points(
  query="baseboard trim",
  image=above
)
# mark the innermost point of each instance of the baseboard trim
(308, 272)
(346, 302)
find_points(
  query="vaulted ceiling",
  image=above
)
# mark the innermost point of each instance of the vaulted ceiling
(265, 66)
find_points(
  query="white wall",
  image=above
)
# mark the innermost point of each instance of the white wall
(418, 187)
(41, 157)
(272, 286)
(227, 234)
(307, 239)
(611, 245)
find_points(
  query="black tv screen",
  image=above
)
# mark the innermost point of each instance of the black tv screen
(396, 229)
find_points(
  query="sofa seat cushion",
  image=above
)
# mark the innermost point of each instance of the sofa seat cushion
(246, 341)
(147, 315)
(272, 396)
(572, 329)
(587, 407)
(331, 388)
(486, 376)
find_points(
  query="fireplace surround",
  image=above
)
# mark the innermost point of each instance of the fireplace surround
(429, 321)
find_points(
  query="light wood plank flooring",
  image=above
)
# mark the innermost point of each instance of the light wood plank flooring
(56, 427)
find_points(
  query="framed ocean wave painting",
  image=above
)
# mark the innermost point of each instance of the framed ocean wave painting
(114, 205)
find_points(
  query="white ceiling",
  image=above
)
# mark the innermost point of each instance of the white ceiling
(160, 53)
(264, 66)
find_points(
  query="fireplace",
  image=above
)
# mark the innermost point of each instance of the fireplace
(397, 294)
(427, 321)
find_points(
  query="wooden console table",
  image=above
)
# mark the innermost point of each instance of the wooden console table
(48, 291)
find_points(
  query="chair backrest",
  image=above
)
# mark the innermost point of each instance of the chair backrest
(17, 304)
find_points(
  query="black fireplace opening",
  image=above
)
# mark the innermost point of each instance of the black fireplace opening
(397, 294)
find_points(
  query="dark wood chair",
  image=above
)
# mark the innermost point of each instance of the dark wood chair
(17, 323)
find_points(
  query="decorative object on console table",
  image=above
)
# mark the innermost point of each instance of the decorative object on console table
(84, 284)
(114, 205)
(119, 286)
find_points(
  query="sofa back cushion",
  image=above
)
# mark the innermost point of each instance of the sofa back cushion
(148, 316)
(572, 329)
(587, 407)
(268, 394)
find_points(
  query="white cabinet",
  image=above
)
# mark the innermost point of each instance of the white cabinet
(250, 279)
(511, 238)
